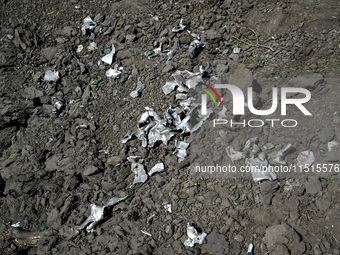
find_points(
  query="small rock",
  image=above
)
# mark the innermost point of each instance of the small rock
(268, 189)
(221, 69)
(216, 244)
(168, 68)
(299, 249)
(239, 238)
(211, 36)
(115, 160)
(281, 250)
(313, 185)
(281, 234)
(89, 170)
(336, 119)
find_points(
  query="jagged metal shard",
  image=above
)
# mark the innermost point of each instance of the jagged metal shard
(193, 236)
(58, 107)
(305, 159)
(181, 96)
(168, 207)
(138, 169)
(97, 214)
(180, 28)
(159, 167)
(138, 90)
(88, 24)
(258, 170)
(169, 87)
(159, 133)
(109, 57)
(127, 136)
(233, 154)
(92, 46)
(170, 54)
(194, 46)
(281, 154)
(180, 151)
(51, 75)
(236, 50)
(250, 249)
(112, 73)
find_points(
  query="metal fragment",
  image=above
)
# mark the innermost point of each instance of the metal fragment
(159, 167)
(259, 170)
(138, 90)
(305, 159)
(179, 28)
(233, 154)
(88, 24)
(193, 236)
(281, 154)
(92, 46)
(109, 57)
(112, 73)
(51, 75)
(149, 219)
(168, 207)
(169, 87)
(145, 233)
(180, 151)
(98, 214)
(138, 169)
(58, 107)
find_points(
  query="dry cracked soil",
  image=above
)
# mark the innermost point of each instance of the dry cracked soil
(61, 146)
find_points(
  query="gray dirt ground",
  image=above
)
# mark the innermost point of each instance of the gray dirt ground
(53, 166)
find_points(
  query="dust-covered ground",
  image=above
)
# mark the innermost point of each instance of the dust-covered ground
(61, 141)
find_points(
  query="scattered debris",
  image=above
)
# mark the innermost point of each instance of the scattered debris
(138, 169)
(236, 50)
(268, 146)
(333, 146)
(170, 54)
(194, 47)
(16, 225)
(281, 154)
(51, 75)
(88, 24)
(112, 73)
(109, 57)
(193, 236)
(159, 167)
(234, 155)
(58, 107)
(169, 87)
(92, 46)
(255, 159)
(80, 48)
(98, 214)
(146, 233)
(168, 207)
(180, 28)
(106, 152)
(180, 151)
(305, 159)
(149, 219)
(250, 249)
(138, 90)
